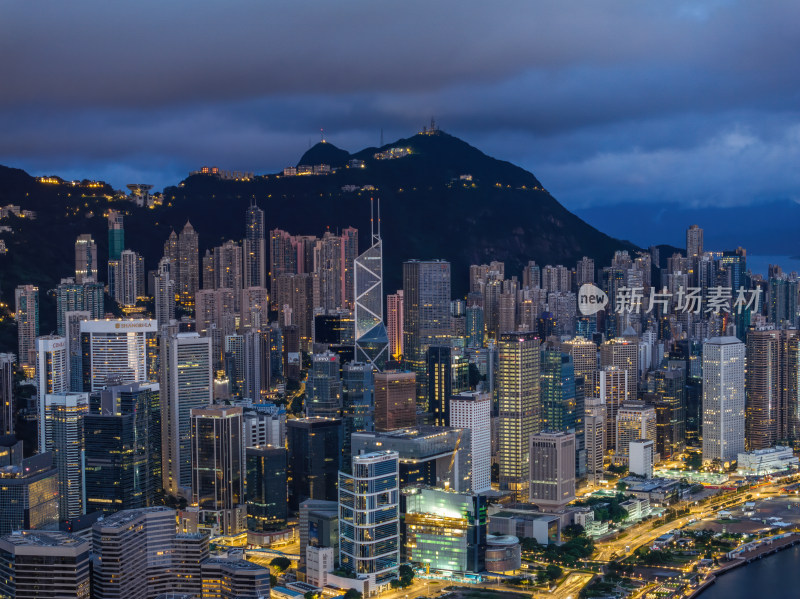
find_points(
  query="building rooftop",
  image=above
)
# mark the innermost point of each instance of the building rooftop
(42, 538)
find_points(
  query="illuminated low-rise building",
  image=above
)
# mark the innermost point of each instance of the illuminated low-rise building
(762, 462)
(444, 530)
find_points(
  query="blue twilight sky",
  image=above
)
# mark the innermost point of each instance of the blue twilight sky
(640, 112)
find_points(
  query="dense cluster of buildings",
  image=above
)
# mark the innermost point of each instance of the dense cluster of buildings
(272, 384)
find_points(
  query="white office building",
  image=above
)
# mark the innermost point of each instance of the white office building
(369, 518)
(642, 457)
(117, 350)
(472, 410)
(723, 399)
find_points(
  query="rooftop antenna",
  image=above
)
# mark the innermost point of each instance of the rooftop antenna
(372, 216)
(322, 135)
(379, 219)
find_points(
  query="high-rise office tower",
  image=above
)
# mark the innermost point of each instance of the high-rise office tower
(694, 242)
(394, 323)
(612, 389)
(129, 285)
(772, 386)
(255, 248)
(52, 371)
(324, 386)
(234, 363)
(44, 564)
(188, 266)
(670, 389)
(475, 326)
(123, 448)
(218, 466)
(228, 578)
(134, 554)
(294, 295)
(426, 316)
(215, 317)
(266, 484)
(123, 350)
(557, 384)
(584, 357)
(72, 328)
(85, 259)
(723, 399)
(623, 352)
(519, 400)
(315, 449)
(358, 402)
(552, 469)
(282, 258)
(186, 383)
(440, 383)
(595, 437)
(61, 432)
(472, 410)
(116, 234)
(372, 340)
(164, 292)
(7, 394)
(369, 517)
(29, 495)
(395, 405)
(27, 319)
(72, 297)
(635, 420)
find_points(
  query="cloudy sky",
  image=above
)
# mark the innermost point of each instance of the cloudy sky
(639, 105)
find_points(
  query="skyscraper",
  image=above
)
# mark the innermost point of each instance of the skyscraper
(129, 285)
(72, 297)
(595, 435)
(472, 410)
(552, 469)
(29, 495)
(164, 292)
(612, 389)
(358, 402)
(394, 323)
(44, 564)
(27, 319)
(395, 405)
(116, 235)
(7, 394)
(315, 449)
(519, 401)
(369, 517)
(52, 371)
(123, 448)
(426, 316)
(61, 431)
(188, 277)
(670, 388)
(255, 248)
(622, 352)
(85, 259)
(372, 340)
(267, 506)
(440, 383)
(557, 381)
(723, 399)
(72, 327)
(121, 350)
(186, 383)
(218, 466)
(635, 420)
(324, 386)
(694, 242)
(773, 396)
(584, 357)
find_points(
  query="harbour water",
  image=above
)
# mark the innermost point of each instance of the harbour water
(777, 575)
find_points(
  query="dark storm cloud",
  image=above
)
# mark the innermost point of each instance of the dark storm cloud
(692, 102)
